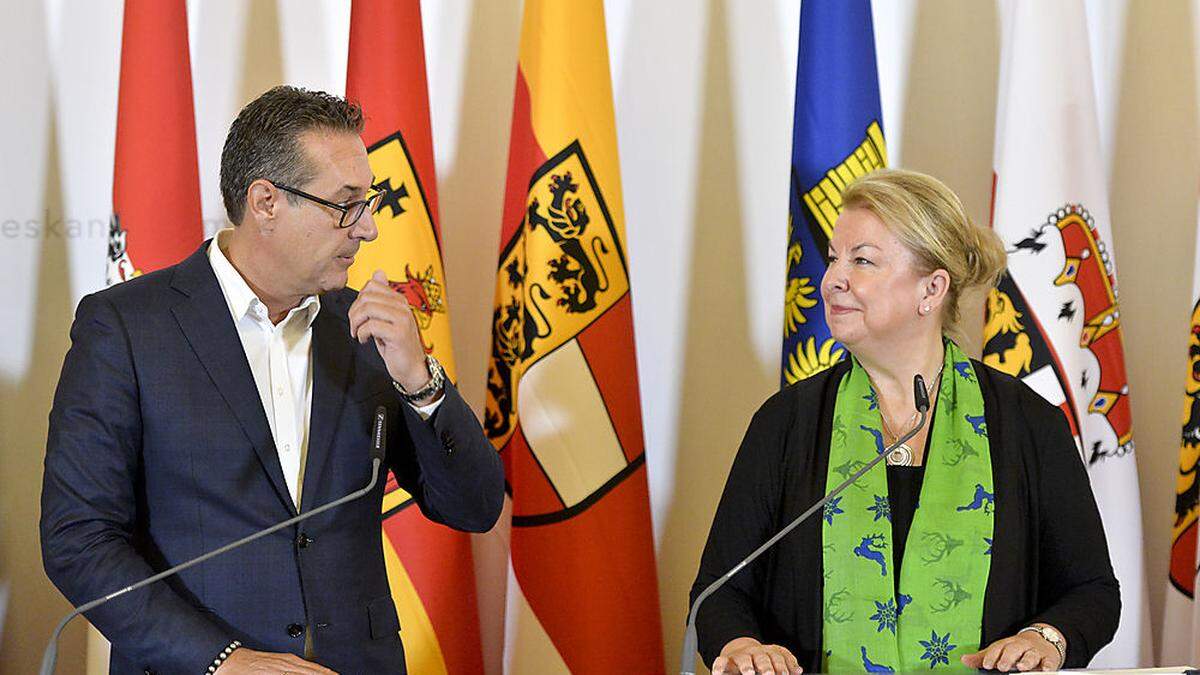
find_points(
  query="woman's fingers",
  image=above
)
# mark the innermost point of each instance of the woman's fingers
(1012, 652)
(756, 659)
(744, 663)
(762, 662)
(792, 663)
(1030, 661)
(992, 654)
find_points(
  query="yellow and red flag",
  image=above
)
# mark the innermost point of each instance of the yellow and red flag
(562, 399)
(430, 567)
(1181, 608)
(156, 218)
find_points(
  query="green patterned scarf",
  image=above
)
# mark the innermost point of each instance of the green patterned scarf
(939, 611)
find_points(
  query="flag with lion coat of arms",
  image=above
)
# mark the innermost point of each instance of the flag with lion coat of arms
(1181, 608)
(562, 391)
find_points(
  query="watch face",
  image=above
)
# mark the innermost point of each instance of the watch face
(1051, 635)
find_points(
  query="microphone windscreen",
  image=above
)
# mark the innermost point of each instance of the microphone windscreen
(920, 394)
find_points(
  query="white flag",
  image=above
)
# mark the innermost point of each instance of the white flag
(1054, 321)
(1181, 612)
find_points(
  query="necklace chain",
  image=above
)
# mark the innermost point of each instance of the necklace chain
(883, 418)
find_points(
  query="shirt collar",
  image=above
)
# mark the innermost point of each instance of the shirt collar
(240, 298)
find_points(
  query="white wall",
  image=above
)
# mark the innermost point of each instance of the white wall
(703, 96)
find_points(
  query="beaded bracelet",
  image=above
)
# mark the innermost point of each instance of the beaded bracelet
(223, 655)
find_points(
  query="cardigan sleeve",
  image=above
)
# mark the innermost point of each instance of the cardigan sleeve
(746, 517)
(1077, 590)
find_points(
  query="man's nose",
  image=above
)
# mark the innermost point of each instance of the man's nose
(365, 228)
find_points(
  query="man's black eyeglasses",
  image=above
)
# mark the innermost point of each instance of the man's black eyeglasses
(351, 211)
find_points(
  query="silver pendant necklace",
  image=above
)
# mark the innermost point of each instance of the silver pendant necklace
(903, 454)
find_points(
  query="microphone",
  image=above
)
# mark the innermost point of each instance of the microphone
(378, 451)
(920, 394)
(687, 662)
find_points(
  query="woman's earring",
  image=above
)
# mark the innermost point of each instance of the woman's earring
(924, 310)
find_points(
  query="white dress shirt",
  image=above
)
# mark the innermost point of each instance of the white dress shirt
(280, 357)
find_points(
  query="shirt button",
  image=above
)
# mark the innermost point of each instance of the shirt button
(295, 630)
(287, 447)
(279, 391)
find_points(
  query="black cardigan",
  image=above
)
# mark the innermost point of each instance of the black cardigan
(1049, 559)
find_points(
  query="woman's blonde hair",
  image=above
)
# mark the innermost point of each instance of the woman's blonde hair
(928, 218)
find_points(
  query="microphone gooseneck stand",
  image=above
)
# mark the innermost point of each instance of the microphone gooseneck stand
(378, 451)
(687, 662)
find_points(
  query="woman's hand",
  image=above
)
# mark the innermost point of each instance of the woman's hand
(1026, 650)
(747, 656)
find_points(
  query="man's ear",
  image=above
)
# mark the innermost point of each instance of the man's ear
(262, 203)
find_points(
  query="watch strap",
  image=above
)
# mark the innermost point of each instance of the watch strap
(1053, 636)
(437, 379)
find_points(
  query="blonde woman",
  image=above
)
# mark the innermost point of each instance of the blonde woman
(1003, 565)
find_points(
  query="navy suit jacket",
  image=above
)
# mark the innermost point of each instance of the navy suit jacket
(159, 450)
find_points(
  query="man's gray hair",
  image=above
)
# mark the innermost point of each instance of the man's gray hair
(264, 140)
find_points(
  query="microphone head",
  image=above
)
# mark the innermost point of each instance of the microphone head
(379, 434)
(920, 394)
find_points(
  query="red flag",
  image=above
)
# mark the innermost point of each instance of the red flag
(430, 567)
(156, 218)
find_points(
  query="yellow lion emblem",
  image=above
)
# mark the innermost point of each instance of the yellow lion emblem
(1004, 319)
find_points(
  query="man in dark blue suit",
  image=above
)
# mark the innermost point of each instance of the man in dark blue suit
(214, 398)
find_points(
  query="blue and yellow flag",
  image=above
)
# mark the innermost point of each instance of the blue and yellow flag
(837, 136)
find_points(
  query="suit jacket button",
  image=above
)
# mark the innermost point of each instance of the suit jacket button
(448, 441)
(303, 541)
(295, 630)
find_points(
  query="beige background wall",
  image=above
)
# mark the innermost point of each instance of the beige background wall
(703, 95)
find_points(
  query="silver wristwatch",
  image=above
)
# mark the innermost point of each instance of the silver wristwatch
(437, 379)
(1053, 637)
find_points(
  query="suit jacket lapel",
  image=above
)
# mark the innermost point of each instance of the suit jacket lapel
(332, 363)
(206, 323)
